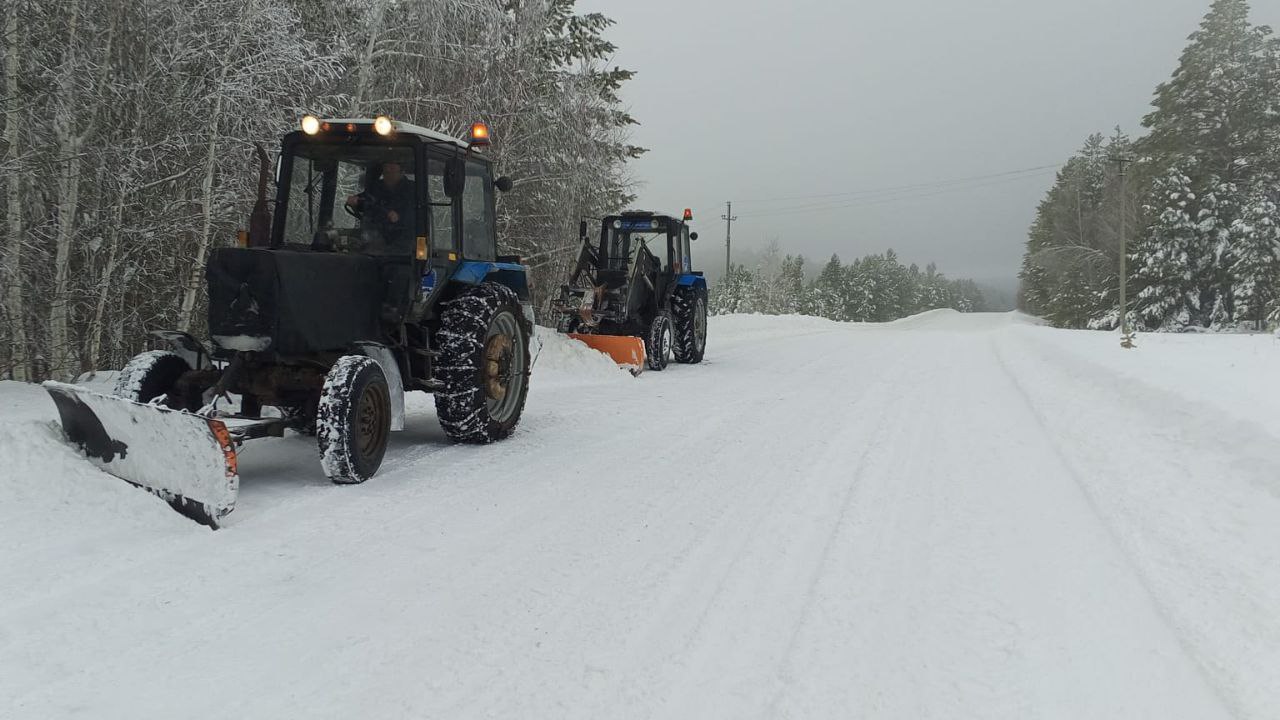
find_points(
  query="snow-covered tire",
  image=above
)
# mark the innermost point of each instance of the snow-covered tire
(353, 421)
(151, 374)
(483, 364)
(659, 341)
(689, 311)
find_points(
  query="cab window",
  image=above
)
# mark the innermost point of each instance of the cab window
(351, 199)
(442, 230)
(477, 214)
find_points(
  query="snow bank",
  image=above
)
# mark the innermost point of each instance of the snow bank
(55, 505)
(563, 359)
(1235, 375)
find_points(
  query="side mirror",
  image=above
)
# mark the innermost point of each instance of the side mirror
(455, 177)
(503, 184)
(693, 236)
(582, 230)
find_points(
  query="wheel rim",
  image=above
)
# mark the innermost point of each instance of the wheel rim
(664, 340)
(503, 373)
(371, 421)
(700, 324)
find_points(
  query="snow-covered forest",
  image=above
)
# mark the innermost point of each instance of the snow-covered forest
(1201, 199)
(876, 288)
(129, 128)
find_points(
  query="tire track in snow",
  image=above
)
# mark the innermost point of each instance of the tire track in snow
(784, 673)
(798, 556)
(1175, 630)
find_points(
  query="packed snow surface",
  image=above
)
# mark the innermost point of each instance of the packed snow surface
(951, 516)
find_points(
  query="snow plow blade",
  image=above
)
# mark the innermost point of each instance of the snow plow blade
(625, 350)
(187, 460)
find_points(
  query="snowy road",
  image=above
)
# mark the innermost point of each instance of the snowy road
(951, 516)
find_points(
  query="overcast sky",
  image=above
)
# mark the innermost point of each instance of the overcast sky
(759, 100)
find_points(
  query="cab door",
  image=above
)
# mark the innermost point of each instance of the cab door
(479, 226)
(444, 251)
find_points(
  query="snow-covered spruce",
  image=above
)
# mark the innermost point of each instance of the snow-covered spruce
(484, 364)
(657, 345)
(150, 375)
(353, 420)
(689, 313)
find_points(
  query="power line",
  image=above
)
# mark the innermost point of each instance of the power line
(887, 198)
(914, 186)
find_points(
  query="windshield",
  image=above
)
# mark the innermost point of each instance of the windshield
(619, 248)
(359, 199)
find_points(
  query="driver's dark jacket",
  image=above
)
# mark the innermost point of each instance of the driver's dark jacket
(378, 199)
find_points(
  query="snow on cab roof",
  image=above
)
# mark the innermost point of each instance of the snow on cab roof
(656, 213)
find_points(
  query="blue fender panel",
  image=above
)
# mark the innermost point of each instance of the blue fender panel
(474, 272)
(692, 280)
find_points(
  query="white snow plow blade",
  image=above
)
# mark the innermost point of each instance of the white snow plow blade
(187, 460)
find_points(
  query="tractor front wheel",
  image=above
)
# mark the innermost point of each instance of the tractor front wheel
(483, 364)
(353, 421)
(155, 374)
(658, 345)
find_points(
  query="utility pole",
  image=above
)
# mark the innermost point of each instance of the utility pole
(1126, 336)
(728, 218)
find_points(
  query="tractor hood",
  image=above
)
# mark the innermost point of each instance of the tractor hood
(293, 303)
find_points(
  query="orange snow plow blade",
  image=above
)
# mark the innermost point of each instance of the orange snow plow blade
(625, 350)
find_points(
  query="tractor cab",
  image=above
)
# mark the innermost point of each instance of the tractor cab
(385, 210)
(386, 188)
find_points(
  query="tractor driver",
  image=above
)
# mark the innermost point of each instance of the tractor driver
(389, 205)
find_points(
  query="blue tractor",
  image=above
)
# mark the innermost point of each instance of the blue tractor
(634, 293)
(376, 274)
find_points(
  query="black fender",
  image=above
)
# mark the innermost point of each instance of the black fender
(187, 347)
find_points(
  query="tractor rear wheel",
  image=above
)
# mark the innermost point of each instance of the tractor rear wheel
(658, 344)
(690, 314)
(353, 422)
(483, 363)
(153, 374)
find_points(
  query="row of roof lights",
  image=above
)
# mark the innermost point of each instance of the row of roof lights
(382, 125)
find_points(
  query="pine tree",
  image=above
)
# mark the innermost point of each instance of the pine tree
(1218, 213)
(1210, 118)
(1212, 127)
(1169, 262)
(1073, 249)
(737, 293)
(1256, 261)
(826, 293)
(791, 286)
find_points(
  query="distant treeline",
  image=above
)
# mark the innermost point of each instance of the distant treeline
(876, 288)
(1200, 199)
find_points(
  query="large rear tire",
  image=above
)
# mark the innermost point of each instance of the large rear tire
(353, 421)
(153, 374)
(483, 363)
(690, 315)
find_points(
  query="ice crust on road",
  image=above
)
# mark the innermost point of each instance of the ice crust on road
(949, 516)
